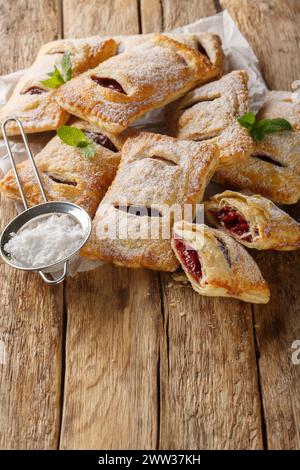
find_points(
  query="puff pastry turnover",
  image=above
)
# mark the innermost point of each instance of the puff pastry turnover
(254, 221)
(271, 167)
(68, 175)
(216, 265)
(32, 102)
(132, 226)
(210, 112)
(207, 43)
(125, 87)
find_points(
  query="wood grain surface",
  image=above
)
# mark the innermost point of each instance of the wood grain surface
(208, 366)
(31, 314)
(128, 358)
(114, 324)
(275, 40)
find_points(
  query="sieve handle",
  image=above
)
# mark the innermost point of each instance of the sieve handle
(59, 279)
(13, 164)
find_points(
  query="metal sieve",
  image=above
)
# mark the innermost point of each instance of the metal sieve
(44, 209)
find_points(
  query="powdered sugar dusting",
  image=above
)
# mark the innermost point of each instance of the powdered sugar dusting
(211, 111)
(152, 74)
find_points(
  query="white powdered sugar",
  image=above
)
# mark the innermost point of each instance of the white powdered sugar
(45, 241)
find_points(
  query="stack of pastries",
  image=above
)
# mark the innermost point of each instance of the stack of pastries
(135, 177)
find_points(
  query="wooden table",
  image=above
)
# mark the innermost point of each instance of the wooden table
(120, 358)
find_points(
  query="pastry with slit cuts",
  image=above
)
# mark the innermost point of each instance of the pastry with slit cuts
(217, 265)
(210, 112)
(32, 102)
(272, 167)
(132, 226)
(66, 174)
(125, 87)
(253, 220)
(207, 43)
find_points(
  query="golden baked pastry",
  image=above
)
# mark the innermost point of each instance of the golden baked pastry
(207, 43)
(32, 102)
(210, 112)
(281, 104)
(133, 222)
(217, 265)
(123, 88)
(271, 167)
(67, 174)
(254, 221)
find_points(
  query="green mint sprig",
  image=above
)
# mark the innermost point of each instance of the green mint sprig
(76, 138)
(258, 129)
(59, 77)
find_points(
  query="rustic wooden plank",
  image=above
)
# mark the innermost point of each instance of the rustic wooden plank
(100, 17)
(25, 26)
(271, 27)
(112, 355)
(159, 15)
(275, 40)
(30, 312)
(114, 320)
(209, 390)
(151, 16)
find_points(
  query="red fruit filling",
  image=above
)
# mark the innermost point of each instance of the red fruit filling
(190, 258)
(234, 222)
(108, 83)
(101, 139)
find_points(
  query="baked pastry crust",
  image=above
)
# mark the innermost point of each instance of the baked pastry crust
(207, 43)
(156, 172)
(32, 102)
(216, 265)
(210, 112)
(254, 221)
(271, 167)
(66, 174)
(120, 90)
(281, 104)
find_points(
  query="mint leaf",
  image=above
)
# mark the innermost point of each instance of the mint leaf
(57, 77)
(89, 150)
(84, 143)
(247, 120)
(259, 129)
(274, 125)
(66, 67)
(76, 138)
(71, 135)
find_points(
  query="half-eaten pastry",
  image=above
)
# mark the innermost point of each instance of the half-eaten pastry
(210, 112)
(254, 221)
(272, 167)
(217, 265)
(32, 102)
(159, 178)
(123, 88)
(68, 175)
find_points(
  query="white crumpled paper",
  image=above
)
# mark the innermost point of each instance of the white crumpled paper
(238, 55)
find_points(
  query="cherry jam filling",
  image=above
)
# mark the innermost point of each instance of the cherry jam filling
(234, 222)
(101, 139)
(34, 90)
(108, 83)
(190, 258)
